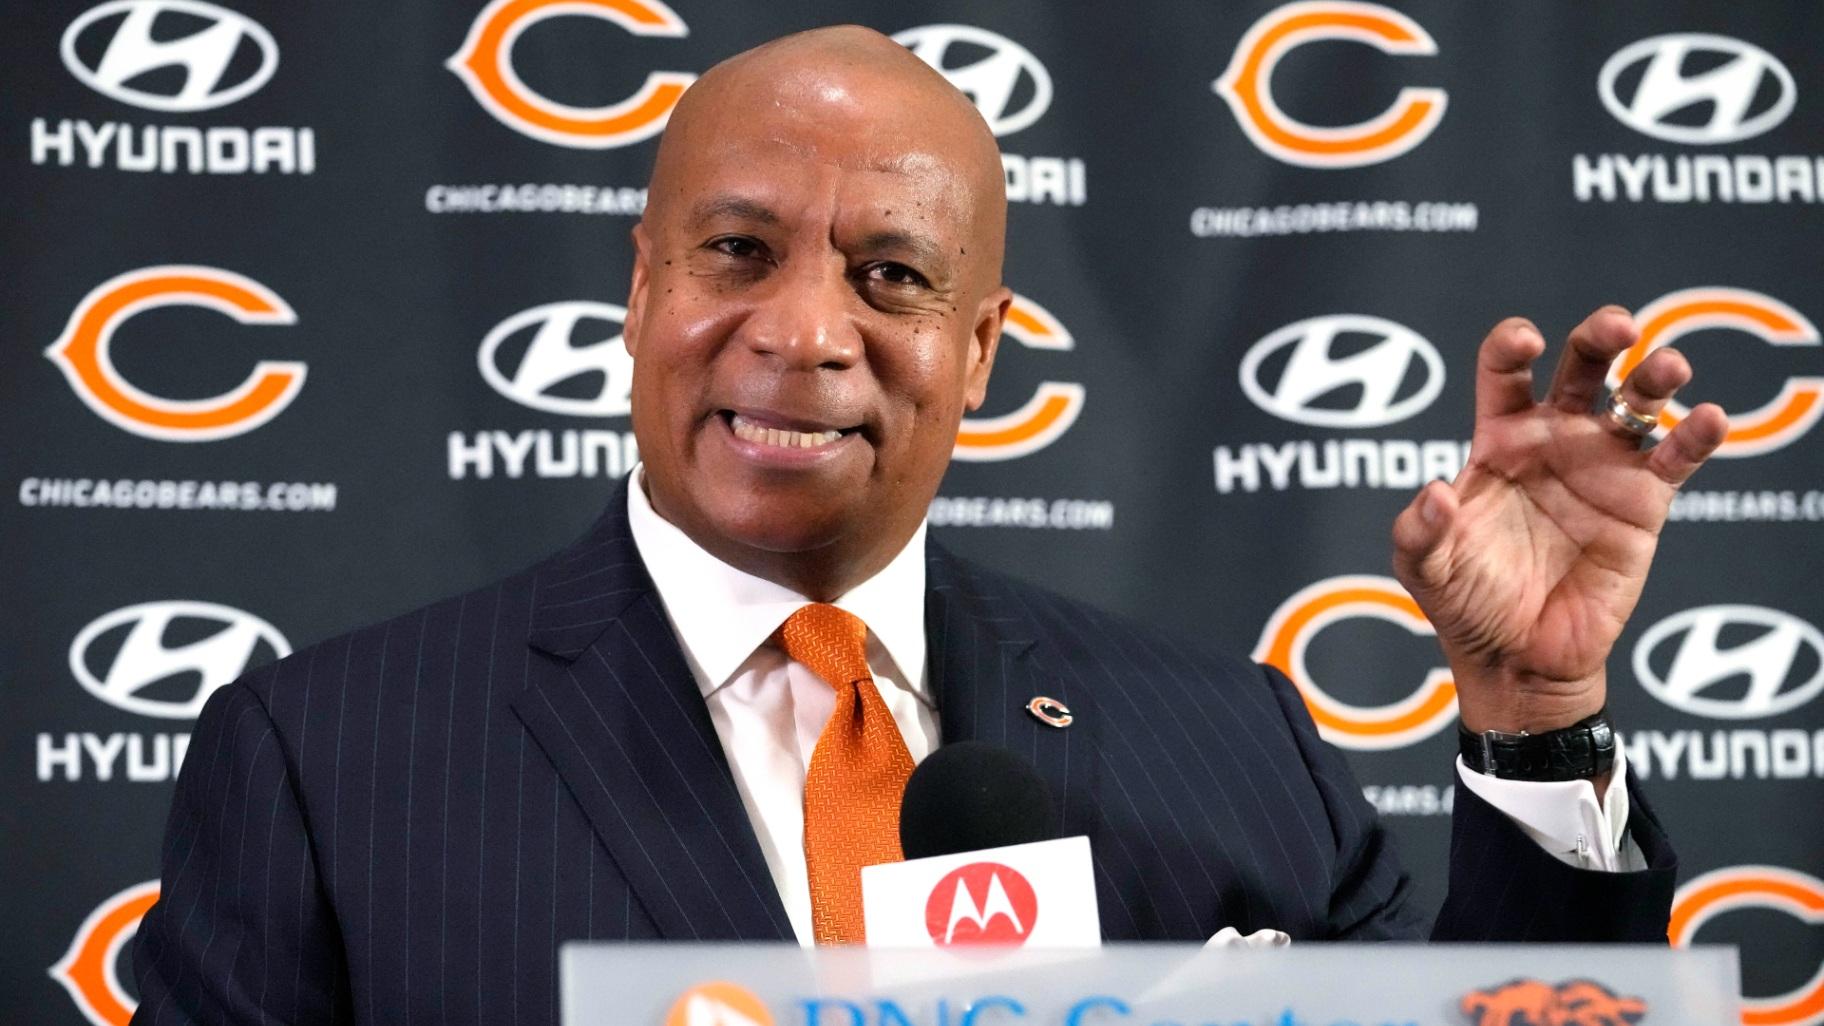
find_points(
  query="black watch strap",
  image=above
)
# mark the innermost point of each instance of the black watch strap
(1582, 751)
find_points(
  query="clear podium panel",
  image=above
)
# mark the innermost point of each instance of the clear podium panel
(1150, 985)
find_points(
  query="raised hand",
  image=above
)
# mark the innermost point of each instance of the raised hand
(1530, 562)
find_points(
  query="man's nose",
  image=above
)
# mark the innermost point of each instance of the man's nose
(806, 320)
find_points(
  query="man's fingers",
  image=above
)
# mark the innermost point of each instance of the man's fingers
(1653, 383)
(1504, 368)
(1583, 368)
(1419, 533)
(1680, 453)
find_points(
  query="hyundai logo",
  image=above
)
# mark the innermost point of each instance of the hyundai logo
(1664, 101)
(212, 76)
(1780, 656)
(573, 359)
(147, 656)
(1377, 376)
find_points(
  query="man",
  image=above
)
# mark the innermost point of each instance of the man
(694, 722)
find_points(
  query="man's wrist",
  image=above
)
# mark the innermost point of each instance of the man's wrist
(1515, 707)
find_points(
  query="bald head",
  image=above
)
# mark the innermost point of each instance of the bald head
(816, 303)
(882, 108)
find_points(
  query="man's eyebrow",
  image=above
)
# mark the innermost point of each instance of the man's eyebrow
(922, 249)
(732, 208)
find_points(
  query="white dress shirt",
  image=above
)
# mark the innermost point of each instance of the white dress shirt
(1564, 818)
(769, 710)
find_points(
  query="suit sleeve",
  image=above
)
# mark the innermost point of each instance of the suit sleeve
(241, 932)
(1503, 886)
(1371, 892)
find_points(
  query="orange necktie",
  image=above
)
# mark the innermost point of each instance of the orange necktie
(857, 774)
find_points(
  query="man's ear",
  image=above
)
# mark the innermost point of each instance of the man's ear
(636, 291)
(983, 341)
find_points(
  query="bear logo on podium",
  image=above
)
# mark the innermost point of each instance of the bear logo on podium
(1523, 1002)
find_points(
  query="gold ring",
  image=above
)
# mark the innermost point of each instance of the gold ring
(1629, 419)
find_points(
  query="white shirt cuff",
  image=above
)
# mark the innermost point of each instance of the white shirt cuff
(1564, 818)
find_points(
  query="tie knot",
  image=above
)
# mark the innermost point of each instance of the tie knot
(831, 641)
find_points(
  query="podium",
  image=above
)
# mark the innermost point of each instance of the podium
(1304, 984)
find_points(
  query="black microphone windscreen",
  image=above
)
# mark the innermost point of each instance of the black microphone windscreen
(972, 795)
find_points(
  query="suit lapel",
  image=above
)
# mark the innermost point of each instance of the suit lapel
(619, 715)
(988, 661)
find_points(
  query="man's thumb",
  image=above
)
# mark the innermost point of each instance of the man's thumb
(1419, 533)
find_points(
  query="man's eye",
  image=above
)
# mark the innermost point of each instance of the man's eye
(736, 246)
(895, 274)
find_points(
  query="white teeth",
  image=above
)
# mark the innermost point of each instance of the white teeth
(750, 432)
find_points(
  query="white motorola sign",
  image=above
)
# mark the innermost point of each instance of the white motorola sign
(1037, 895)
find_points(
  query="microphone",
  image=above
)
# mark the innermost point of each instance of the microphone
(973, 795)
(983, 861)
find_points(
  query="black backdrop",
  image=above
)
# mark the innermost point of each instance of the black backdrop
(364, 259)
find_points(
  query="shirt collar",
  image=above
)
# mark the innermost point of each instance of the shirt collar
(721, 614)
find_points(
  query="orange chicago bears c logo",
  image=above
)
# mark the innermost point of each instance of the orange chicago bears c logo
(1050, 412)
(1247, 85)
(485, 65)
(1537, 1003)
(87, 970)
(1783, 890)
(1290, 629)
(1770, 426)
(81, 352)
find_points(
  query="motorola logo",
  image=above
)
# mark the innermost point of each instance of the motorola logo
(981, 903)
(1297, 374)
(1731, 662)
(128, 50)
(1741, 92)
(165, 658)
(566, 357)
(1002, 78)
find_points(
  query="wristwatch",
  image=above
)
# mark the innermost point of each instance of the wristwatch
(1582, 751)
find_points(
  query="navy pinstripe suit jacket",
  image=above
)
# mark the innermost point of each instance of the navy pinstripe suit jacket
(404, 823)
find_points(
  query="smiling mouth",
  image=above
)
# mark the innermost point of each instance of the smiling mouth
(751, 430)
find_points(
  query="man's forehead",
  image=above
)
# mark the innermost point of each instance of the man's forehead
(884, 146)
(893, 157)
(773, 178)
(842, 123)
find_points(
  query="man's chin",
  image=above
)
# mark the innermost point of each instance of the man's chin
(785, 528)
